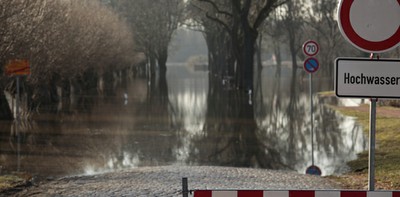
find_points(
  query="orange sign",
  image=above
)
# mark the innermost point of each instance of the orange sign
(18, 67)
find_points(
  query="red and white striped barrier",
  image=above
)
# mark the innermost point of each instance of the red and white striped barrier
(294, 193)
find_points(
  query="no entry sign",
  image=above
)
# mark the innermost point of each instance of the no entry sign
(372, 26)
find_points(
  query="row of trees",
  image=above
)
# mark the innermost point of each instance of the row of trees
(153, 24)
(300, 20)
(68, 43)
(231, 29)
(78, 43)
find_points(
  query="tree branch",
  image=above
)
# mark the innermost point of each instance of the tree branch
(215, 19)
(215, 6)
(265, 11)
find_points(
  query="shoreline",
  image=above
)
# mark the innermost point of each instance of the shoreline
(387, 156)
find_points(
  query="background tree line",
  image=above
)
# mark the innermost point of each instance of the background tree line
(70, 44)
(77, 45)
(231, 29)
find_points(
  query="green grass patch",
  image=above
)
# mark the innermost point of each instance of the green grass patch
(326, 93)
(10, 181)
(387, 167)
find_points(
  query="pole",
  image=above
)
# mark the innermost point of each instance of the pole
(17, 101)
(372, 131)
(311, 120)
(17, 125)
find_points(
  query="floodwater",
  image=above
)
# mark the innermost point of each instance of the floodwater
(186, 121)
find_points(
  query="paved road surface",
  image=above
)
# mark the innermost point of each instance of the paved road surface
(167, 181)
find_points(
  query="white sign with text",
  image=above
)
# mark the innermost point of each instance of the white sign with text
(367, 78)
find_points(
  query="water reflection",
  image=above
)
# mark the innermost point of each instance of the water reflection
(192, 121)
(282, 139)
(286, 120)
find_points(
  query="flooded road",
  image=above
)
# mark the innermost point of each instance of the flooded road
(187, 121)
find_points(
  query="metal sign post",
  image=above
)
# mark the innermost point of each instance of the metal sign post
(372, 141)
(311, 119)
(371, 153)
(17, 121)
(311, 65)
(17, 68)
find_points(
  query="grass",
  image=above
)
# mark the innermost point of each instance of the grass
(10, 181)
(387, 157)
(326, 93)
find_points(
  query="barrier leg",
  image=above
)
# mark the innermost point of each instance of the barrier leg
(185, 189)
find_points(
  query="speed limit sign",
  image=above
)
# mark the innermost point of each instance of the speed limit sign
(310, 48)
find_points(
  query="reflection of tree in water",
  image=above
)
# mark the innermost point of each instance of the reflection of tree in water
(296, 124)
(150, 134)
(156, 107)
(230, 137)
(38, 149)
(286, 124)
(107, 134)
(213, 125)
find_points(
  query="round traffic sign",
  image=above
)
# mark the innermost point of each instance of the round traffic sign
(371, 26)
(311, 65)
(310, 48)
(313, 170)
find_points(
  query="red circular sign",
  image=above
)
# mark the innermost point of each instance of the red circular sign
(310, 48)
(349, 32)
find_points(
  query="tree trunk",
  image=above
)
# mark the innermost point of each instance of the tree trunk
(259, 52)
(250, 38)
(162, 61)
(293, 51)
(153, 65)
(5, 111)
(89, 83)
(219, 55)
(66, 89)
(108, 82)
(278, 55)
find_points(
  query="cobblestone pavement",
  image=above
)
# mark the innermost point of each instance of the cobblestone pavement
(167, 181)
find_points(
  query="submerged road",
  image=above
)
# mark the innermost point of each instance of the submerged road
(167, 181)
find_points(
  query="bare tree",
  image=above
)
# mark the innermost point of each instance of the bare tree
(293, 21)
(67, 42)
(241, 20)
(326, 31)
(203, 17)
(153, 24)
(275, 31)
